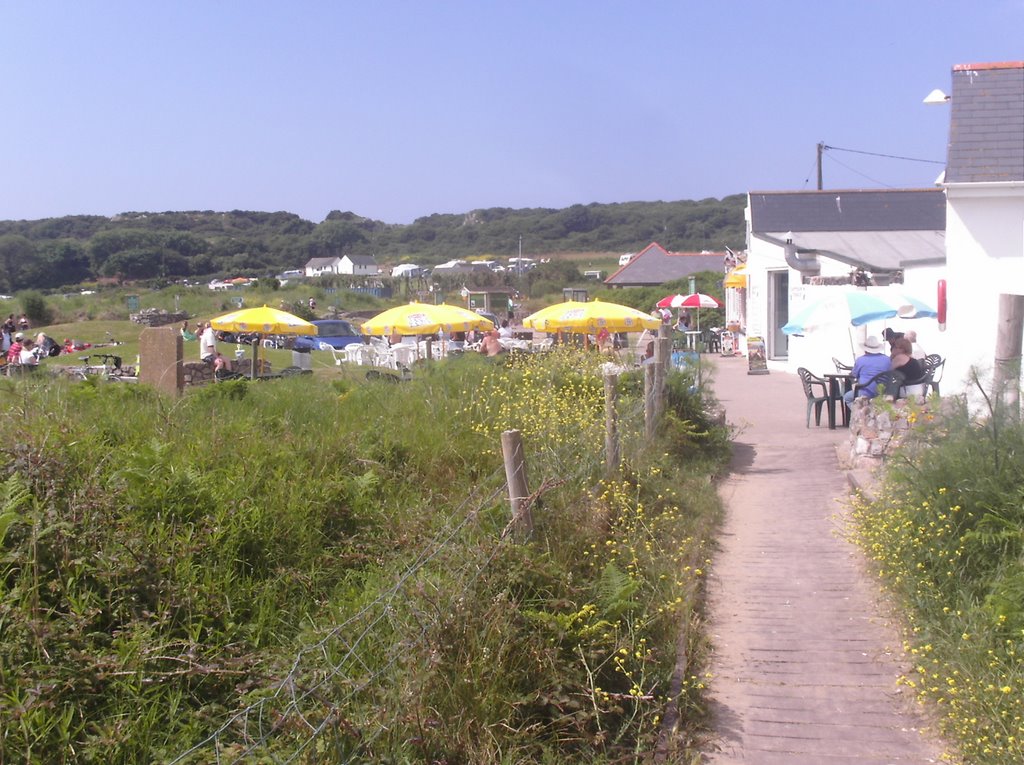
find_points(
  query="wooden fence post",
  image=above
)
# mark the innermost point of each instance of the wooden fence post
(611, 431)
(515, 476)
(649, 406)
(1009, 334)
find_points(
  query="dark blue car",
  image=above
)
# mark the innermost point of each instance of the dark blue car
(335, 332)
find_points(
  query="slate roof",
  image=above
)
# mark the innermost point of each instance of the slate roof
(874, 230)
(655, 265)
(849, 210)
(322, 262)
(362, 260)
(986, 126)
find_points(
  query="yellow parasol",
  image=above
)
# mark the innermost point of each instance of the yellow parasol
(425, 319)
(737, 278)
(262, 321)
(573, 316)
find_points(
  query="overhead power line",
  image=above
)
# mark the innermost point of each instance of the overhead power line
(886, 156)
(823, 147)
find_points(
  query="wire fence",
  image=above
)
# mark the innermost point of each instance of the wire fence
(338, 677)
(327, 676)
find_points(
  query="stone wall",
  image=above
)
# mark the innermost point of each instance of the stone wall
(201, 373)
(197, 372)
(878, 426)
(157, 317)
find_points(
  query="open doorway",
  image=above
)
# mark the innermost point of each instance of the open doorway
(778, 314)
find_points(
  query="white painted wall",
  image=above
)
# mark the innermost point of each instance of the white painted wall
(816, 350)
(984, 258)
(348, 266)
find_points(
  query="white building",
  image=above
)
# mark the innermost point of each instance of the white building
(967, 234)
(353, 265)
(985, 216)
(803, 245)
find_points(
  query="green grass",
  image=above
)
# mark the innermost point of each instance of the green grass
(164, 561)
(947, 535)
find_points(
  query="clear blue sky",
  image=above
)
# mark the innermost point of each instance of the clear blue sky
(396, 110)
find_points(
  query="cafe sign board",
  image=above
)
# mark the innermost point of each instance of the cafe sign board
(757, 362)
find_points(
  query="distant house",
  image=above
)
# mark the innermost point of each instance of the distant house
(323, 266)
(655, 265)
(359, 265)
(353, 265)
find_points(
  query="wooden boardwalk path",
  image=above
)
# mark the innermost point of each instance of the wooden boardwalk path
(804, 665)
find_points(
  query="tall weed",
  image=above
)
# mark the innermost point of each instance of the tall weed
(337, 551)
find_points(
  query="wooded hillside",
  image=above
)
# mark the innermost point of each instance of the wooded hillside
(53, 252)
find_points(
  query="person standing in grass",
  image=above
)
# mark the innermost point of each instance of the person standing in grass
(207, 344)
(14, 352)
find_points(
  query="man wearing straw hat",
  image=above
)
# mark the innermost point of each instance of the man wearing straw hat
(873, 362)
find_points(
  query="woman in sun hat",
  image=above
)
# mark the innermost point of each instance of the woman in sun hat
(873, 362)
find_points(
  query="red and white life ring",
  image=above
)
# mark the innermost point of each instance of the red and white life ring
(941, 305)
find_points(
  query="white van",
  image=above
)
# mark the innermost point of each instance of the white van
(624, 259)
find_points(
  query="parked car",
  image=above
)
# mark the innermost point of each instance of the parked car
(494, 319)
(335, 332)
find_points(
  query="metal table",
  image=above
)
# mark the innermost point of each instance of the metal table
(838, 384)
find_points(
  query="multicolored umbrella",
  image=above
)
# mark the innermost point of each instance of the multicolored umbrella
(850, 308)
(696, 300)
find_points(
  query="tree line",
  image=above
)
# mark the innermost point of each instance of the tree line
(55, 252)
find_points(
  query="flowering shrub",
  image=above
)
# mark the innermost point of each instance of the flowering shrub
(947, 535)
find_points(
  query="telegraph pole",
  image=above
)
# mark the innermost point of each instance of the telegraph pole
(821, 150)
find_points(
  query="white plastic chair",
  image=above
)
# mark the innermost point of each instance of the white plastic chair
(383, 357)
(339, 356)
(358, 353)
(404, 355)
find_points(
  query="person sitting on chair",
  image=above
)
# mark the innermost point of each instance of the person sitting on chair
(873, 362)
(490, 346)
(222, 368)
(908, 366)
(207, 344)
(27, 356)
(916, 350)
